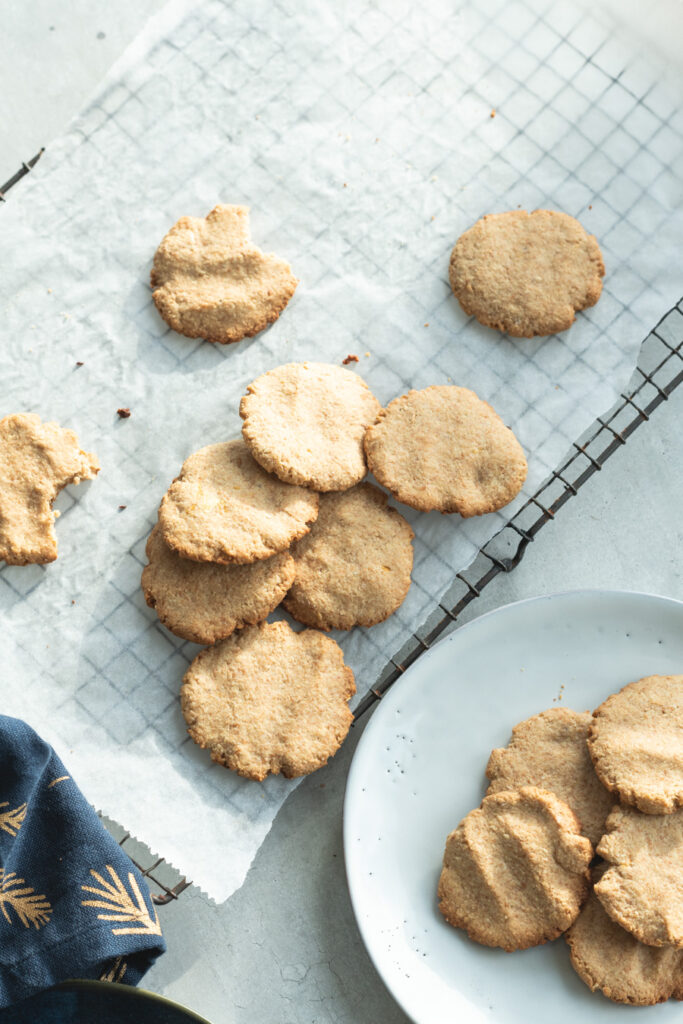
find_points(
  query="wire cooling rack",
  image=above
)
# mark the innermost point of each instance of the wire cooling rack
(658, 373)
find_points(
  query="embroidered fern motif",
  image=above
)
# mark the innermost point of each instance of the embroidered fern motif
(115, 971)
(30, 907)
(121, 906)
(11, 821)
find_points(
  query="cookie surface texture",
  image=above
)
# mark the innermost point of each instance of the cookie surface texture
(526, 273)
(549, 751)
(641, 889)
(612, 961)
(210, 281)
(305, 422)
(37, 460)
(636, 743)
(515, 871)
(268, 700)
(224, 508)
(205, 602)
(353, 568)
(444, 448)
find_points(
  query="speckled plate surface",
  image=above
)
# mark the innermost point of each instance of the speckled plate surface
(419, 768)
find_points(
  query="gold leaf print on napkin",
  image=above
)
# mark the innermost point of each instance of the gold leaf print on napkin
(30, 907)
(11, 821)
(115, 971)
(121, 906)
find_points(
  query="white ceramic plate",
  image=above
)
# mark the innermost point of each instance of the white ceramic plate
(419, 768)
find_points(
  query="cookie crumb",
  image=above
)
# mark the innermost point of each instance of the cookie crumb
(121, 507)
(345, 185)
(367, 355)
(79, 363)
(493, 113)
(350, 359)
(590, 207)
(123, 413)
(427, 324)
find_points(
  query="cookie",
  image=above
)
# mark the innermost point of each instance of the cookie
(268, 700)
(611, 960)
(210, 281)
(641, 888)
(224, 508)
(305, 422)
(636, 743)
(526, 273)
(444, 448)
(515, 871)
(37, 460)
(353, 568)
(549, 751)
(204, 602)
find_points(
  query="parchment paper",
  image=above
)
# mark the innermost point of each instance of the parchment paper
(362, 136)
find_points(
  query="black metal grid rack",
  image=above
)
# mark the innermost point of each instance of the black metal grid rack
(659, 372)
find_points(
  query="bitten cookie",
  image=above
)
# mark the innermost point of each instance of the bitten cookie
(642, 887)
(353, 568)
(305, 422)
(610, 959)
(549, 751)
(224, 508)
(37, 460)
(515, 871)
(444, 448)
(210, 281)
(636, 743)
(268, 700)
(204, 602)
(526, 273)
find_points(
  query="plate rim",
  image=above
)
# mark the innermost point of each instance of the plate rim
(129, 992)
(406, 681)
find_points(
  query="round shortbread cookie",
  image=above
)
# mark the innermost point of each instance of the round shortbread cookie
(353, 568)
(224, 508)
(549, 751)
(305, 422)
(268, 700)
(444, 448)
(642, 887)
(212, 282)
(611, 960)
(515, 871)
(526, 273)
(636, 743)
(205, 602)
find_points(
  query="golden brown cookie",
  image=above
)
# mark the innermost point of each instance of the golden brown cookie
(212, 282)
(224, 508)
(526, 273)
(268, 700)
(642, 887)
(305, 422)
(444, 448)
(610, 959)
(36, 461)
(353, 568)
(204, 602)
(515, 871)
(636, 743)
(549, 751)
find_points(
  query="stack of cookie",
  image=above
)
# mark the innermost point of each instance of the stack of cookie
(520, 870)
(284, 515)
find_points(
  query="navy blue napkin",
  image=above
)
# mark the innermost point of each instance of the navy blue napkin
(72, 905)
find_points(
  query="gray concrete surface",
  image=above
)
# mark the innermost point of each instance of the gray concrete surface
(285, 949)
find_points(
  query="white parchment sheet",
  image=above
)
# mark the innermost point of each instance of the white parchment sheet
(361, 136)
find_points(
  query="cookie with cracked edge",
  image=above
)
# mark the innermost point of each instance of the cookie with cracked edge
(353, 567)
(37, 460)
(636, 743)
(223, 507)
(515, 870)
(305, 422)
(549, 751)
(205, 602)
(526, 274)
(267, 700)
(444, 448)
(210, 281)
(641, 888)
(612, 961)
